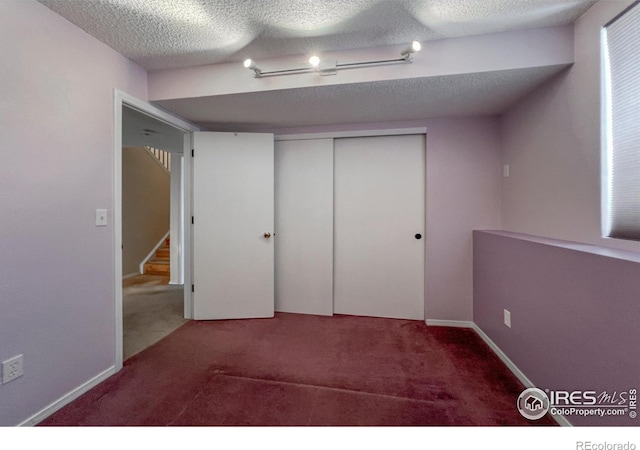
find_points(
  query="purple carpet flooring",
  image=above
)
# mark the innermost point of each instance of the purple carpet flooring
(306, 370)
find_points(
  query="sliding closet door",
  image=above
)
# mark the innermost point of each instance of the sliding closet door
(304, 226)
(379, 226)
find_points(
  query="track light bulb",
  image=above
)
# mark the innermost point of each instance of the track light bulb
(314, 61)
(407, 53)
(251, 65)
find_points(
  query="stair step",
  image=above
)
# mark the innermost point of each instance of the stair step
(157, 267)
(163, 252)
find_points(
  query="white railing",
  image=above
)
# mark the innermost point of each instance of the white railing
(152, 253)
(163, 158)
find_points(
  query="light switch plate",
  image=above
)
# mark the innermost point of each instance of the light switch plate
(101, 217)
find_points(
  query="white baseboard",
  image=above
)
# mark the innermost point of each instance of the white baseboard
(450, 323)
(562, 421)
(67, 398)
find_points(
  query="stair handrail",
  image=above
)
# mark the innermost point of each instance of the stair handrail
(161, 157)
(153, 252)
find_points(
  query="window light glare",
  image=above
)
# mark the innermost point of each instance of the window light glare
(314, 61)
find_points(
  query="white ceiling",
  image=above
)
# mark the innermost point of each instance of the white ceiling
(162, 34)
(139, 129)
(396, 100)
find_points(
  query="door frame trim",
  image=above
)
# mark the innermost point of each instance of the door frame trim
(350, 134)
(121, 99)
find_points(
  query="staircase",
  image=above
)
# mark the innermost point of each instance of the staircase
(159, 264)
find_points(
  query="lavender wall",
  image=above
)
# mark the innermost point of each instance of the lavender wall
(463, 193)
(574, 312)
(551, 140)
(56, 135)
(585, 303)
(463, 184)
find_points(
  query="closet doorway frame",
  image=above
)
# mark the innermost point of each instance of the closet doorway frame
(377, 133)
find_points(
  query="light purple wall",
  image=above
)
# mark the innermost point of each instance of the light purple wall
(551, 140)
(56, 135)
(463, 183)
(574, 312)
(585, 303)
(463, 193)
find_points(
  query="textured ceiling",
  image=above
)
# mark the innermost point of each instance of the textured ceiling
(159, 34)
(407, 99)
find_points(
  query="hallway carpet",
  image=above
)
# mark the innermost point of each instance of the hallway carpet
(306, 370)
(151, 309)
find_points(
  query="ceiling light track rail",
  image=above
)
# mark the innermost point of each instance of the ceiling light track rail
(380, 62)
(330, 67)
(273, 73)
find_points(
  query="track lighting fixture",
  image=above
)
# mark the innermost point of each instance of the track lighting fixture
(251, 65)
(331, 67)
(409, 51)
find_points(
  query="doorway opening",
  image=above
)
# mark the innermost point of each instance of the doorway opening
(152, 307)
(151, 204)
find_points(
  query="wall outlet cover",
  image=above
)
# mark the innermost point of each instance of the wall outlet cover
(12, 368)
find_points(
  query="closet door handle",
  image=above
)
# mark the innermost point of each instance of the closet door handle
(418, 236)
(267, 235)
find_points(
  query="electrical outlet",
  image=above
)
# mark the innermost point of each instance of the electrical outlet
(507, 318)
(12, 369)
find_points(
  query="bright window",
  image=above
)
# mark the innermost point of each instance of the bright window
(621, 89)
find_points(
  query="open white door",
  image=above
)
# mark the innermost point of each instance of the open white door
(233, 209)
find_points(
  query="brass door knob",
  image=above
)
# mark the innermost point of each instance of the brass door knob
(267, 235)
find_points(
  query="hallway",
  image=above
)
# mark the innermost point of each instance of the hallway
(151, 310)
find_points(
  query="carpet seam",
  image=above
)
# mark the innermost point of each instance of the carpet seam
(328, 388)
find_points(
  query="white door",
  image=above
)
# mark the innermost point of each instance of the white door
(233, 209)
(379, 226)
(304, 226)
